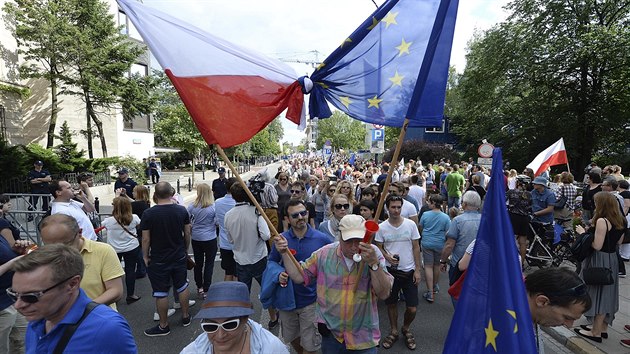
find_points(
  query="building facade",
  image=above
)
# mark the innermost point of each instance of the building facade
(25, 119)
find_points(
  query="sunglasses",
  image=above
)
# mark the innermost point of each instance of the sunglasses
(576, 291)
(31, 298)
(228, 326)
(342, 206)
(299, 213)
(283, 179)
(296, 191)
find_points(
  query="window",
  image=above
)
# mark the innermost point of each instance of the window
(436, 129)
(122, 21)
(141, 122)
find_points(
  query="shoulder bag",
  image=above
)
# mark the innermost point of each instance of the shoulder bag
(582, 247)
(599, 275)
(561, 201)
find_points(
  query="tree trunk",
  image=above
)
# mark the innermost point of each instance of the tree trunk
(99, 125)
(89, 135)
(192, 183)
(53, 112)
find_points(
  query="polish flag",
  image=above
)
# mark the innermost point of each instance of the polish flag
(554, 155)
(231, 92)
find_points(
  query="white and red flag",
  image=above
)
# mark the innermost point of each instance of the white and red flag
(230, 92)
(554, 155)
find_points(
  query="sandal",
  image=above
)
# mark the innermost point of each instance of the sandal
(200, 293)
(389, 341)
(410, 340)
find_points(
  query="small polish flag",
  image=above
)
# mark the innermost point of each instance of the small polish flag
(554, 155)
(231, 92)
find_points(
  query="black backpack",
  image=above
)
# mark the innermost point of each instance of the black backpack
(582, 247)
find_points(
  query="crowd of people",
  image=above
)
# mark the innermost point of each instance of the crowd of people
(319, 279)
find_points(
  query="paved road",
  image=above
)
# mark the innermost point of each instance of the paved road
(430, 326)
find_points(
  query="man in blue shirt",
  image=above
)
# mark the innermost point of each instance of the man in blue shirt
(46, 291)
(297, 325)
(543, 201)
(221, 207)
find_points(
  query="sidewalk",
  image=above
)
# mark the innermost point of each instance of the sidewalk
(616, 332)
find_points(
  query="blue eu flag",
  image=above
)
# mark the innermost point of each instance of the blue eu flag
(492, 314)
(394, 66)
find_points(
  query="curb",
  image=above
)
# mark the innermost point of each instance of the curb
(571, 341)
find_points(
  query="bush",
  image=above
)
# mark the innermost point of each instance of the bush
(426, 152)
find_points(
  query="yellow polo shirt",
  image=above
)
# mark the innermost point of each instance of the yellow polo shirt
(100, 265)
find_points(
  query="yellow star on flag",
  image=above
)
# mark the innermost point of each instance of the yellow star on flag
(374, 101)
(403, 47)
(491, 336)
(322, 84)
(347, 40)
(321, 65)
(513, 314)
(390, 19)
(396, 79)
(345, 100)
(374, 23)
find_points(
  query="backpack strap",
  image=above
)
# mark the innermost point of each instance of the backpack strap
(70, 329)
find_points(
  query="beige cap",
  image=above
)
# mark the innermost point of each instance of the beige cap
(352, 226)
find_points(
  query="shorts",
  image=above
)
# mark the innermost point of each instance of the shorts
(520, 224)
(431, 257)
(162, 275)
(403, 281)
(301, 323)
(228, 264)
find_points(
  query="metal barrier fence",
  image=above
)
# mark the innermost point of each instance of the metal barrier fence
(22, 185)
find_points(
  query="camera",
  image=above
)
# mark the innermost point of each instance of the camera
(256, 185)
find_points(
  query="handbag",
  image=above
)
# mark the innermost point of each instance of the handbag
(582, 247)
(598, 275)
(561, 202)
(190, 263)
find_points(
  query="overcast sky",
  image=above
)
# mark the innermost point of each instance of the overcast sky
(293, 29)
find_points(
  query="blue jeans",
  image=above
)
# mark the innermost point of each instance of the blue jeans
(319, 218)
(331, 345)
(246, 273)
(454, 202)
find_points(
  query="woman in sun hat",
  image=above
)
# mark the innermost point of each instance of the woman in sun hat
(227, 326)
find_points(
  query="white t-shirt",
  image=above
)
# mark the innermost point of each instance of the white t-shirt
(417, 192)
(398, 240)
(75, 209)
(120, 239)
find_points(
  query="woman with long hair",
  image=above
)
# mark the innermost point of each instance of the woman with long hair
(345, 187)
(339, 207)
(609, 227)
(204, 237)
(141, 203)
(123, 237)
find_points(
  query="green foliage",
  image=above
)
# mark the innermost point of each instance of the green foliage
(136, 168)
(67, 150)
(266, 142)
(420, 150)
(23, 92)
(551, 70)
(343, 131)
(391, 136)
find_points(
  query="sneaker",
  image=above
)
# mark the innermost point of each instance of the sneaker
(272, 324)
(428, 296)
(625, 343)
(622, 275)
(157, 331)
(186, 321)
(178, 306)
(436, 288)
(169, 313)
(627, 328)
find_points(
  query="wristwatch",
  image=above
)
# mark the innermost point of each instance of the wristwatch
(374, 267)
(443, 262)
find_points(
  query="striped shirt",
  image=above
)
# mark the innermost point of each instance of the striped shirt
(351, 317)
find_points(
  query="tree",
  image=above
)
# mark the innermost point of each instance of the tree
(267, 141)
(67, 149)
(553, 69)
(101, 58)
(43, 31)
(343, 131)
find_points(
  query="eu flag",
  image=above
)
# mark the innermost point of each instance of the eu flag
(492, 314)
(394, 66)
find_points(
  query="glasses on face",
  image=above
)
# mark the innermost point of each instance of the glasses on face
(299, 213)
(296, 191)
(368, 176)
(33, 297)
(283, 179)
(361, 180)
(342, 206)
(331, 191)
(345, 187)
(228, 326)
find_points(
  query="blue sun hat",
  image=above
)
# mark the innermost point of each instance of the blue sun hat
(226, 299)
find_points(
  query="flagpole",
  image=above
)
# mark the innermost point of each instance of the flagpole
(261, 211)
(381, 201)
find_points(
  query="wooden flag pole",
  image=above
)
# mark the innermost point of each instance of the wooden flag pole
(261, 211)
(381, 201)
